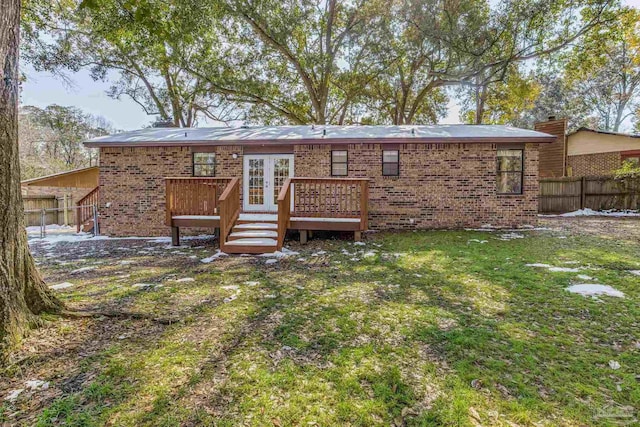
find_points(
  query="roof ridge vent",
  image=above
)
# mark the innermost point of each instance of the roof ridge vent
(324, 132)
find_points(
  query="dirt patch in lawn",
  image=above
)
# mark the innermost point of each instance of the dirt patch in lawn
(624, 228)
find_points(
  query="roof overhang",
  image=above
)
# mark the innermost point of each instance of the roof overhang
(279, 142)
(78, 178)
(320, 135)
(604, 132)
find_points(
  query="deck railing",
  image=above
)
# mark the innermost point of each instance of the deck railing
(229, 208)
(86, 206)
(193, 195)
(284, 211)
(326, 198)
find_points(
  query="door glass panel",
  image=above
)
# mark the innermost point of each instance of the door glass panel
(256, 181)
(280, 174)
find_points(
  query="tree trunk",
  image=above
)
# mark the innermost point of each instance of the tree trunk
(481, 97)
(23, 293)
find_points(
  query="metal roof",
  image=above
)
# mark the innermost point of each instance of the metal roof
(319, 134)
(79, 178)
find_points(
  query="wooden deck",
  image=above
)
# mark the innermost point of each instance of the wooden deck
(304, 204)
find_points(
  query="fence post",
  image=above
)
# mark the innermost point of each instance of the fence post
(43, 224)
(583, 192)
(65, 207)
(96, 230)
(77, 219)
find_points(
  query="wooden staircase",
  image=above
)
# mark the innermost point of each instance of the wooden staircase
(252, 234)
(85, 212)
(333, 204)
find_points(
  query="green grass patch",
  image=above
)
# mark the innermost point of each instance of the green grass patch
(425, 328)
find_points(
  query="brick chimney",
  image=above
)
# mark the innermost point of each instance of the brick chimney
(553, 157)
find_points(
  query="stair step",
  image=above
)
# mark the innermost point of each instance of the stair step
(250, 246)
(253, 242)
(247, 217)
(251, 221)
(255, 226)
(249, 234)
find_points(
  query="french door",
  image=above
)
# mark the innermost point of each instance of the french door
(264, 175)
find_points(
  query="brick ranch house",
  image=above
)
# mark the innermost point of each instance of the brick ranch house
(255, 183)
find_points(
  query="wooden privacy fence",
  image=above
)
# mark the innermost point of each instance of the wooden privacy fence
(559, 195)
(55, 210)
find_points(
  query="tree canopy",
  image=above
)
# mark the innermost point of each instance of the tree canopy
(51, 139)
(605, 69)
(343, 61)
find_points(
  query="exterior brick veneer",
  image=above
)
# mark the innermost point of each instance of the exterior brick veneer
(440, 185)
(594, 164)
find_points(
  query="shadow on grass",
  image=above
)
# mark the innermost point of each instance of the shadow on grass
(436, 336)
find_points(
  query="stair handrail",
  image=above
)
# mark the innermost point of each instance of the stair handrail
(284, 211)
(364, 205)
(229, 204)
(84, 207)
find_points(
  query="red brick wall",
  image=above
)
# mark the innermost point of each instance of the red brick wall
(440, 185)
(552, 156)
(594, 164)
(131, 179)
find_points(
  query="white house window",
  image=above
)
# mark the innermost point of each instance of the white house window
(509, 173)
(204, 164)
(390, 162)
(339, 163)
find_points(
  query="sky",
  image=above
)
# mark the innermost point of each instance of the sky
(42, 89)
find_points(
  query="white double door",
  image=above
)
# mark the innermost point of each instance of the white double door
(264, 175)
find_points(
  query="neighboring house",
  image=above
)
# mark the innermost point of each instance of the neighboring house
(254, 183)
(591, 152)
(59, 190)
(74, 183)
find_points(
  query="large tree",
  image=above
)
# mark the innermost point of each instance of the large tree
(605, 69)
(302, 61)
(23, 293)
(478, 45)
(297, 61)
(51, 139)
(138, 45)
(502, 102)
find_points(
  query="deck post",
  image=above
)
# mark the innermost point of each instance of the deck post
(303, 237)
(357, 236)
(175, 236)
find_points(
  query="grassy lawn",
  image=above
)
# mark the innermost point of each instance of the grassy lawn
(424, 328)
